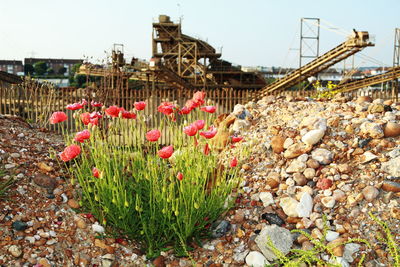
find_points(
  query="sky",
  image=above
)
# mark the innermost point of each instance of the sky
(249, 33)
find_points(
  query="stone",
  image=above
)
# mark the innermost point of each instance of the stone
(273, 183)
(305, 205)
(372, 129)
(313, 136)
(328, 202)
(266, 198)
(107, 260)
(337, 246)
(331, 235)
(239, 216)
(222, 228)
(288, 142)
(300, 179)
(97, 228)
(280, 237)
(391, 186)
(256, 259)
(273, 218)
(296, 166)
(392, 167)
(370, 193)
(309, 173)
(362, 99)
(376, 108)
(296, 150)
(349, 250)
(9, 166)
(44, 167)
(368, 156)
(240, 125)
(277, 143)
(344, 168)
(19, 226)
(391, 129)
(15, 155)
(45, 181)
(44, 262)
(159, 261)
(322, 155)
(289, 206)
(15, 251)
(80, 223)
(73, 204)
(324, 183)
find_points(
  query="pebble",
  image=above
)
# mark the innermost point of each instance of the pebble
(289, 206)
(322, 155)
(349, 250)
(328, 202)
(15, 251)
(222, 228)
(309, 173)
(331, 235)
(19, 226)
(305, 205)
(107, 260)
(97, 228)
(313, 136)
(391, 129)
(45, 181)
(256, 259)
(9, 166)
(370, 193)
(273, 218)
(391, 186)
(280, 237)
(266, 198)
(15, 155)
(73, 204)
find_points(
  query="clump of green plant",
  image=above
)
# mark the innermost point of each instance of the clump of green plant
(327, 92)
(313, 256)
(388, 239)
(160, 196)
(5, 185)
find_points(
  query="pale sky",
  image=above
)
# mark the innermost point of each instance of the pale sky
(251, 33)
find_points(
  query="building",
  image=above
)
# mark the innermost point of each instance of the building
(12, 66)
(55, 63)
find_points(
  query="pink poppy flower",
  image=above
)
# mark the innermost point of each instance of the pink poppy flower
(190, 130)
(74, 106)
(128, 115)
(57, 117)
(209, 134)
(82, 136)
(70, 152)
(96, 114)
(209, 109)
(85, 118)
(206, 150)
(166, 108)
(84, 102)
(184, 111)
(191, 104)
(153, 135)
(236, 139)
(234, 162)
(139, 105)
(95, 172)
(198, 97)
(199, 124)
(114, 111)
(166, 152)
(96, 104)
(179, 176)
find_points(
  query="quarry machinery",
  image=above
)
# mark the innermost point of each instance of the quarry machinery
(358, 41)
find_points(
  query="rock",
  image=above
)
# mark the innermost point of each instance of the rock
(97, 228)
(324, 183)
(73, 204)
(222, 228)
(328, 202)
(44, 262)
(305, 205)
(368, 156)
(15, 155)
(240, 125)
(239, 216)
(331, 235)
(107, 260)
(246, 167)
(344, 168)
(19, 226)
(391, 186)
(312, 163)
(289, 206)
(362, 99)
(9, 166)
(266, 198)
(256, 259)
(277, 143)
(376, 108)
(80, 223)
(370, 193)
(372, 129)
(15, 251)
(391, 129)
(296, 150)
(45, 181)
(159, 261)
(288, 142)
(44, 167)
(313, 136)
(280, 237)
(296, 166)
(300, 179)
(100, 243)
(349, 250)
(322, 155)
(337, 246)
(392, 167)
(273, 218)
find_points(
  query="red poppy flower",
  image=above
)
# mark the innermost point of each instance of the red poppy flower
(179, 176)
(236, 139)
(199, 124)
(166, 152)
(128, 115)
(139, 105)
(70, 152)
(95, 172)
(96, 104)
(210, 134)
(114, 111)
(184, 111)
(74, 106)
(84, 102)
(85, 118)
(57, 117)
(166, 108)
(234, 162)
(191, 104)
(209, 109)
(82, 136)
(153, 135)
(190, 130)
(206, 150)
(96, 114)
(198, 97)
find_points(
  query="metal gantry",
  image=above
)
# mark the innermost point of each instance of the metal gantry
(309, 39)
